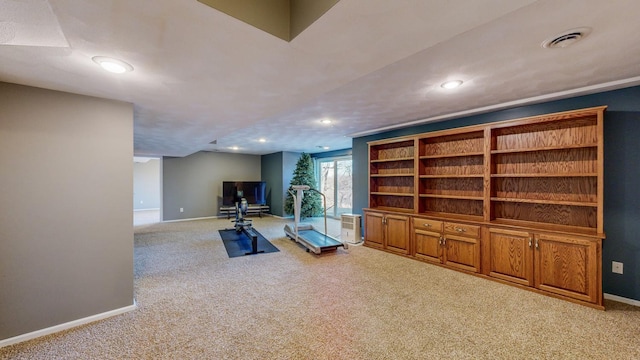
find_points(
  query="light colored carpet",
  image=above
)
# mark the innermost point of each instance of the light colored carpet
(196, 303)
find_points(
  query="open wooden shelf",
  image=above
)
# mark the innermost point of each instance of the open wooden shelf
(439, 156)
(536, 175)
(451, 216)
(451, 205)
(546, 213)
(546, 148)
(392, 194)
(538, 201)
(451, 176)
(394, 209)
(396, 201)
(392, 175)
(458, 197)
(563, 229)
(392, 160)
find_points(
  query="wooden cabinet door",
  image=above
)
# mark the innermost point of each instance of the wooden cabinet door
(374, 229)
(397, 233)
(568, 266)
(461, 246)
(428, 245)
(511, 254)
(462, 252)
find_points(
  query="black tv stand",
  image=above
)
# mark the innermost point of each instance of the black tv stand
(252, 209)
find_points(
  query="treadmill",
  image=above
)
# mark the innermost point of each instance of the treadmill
(306, 234)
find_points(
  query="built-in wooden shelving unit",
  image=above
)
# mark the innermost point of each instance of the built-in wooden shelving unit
(451, 173)
(531, 182)
(391, 174)
(546, 171)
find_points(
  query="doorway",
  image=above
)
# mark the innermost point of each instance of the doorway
(335, 179)
(146, 190)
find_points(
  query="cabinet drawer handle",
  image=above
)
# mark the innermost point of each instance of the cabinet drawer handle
(530, 242)
(426, 225)
(537, 245)
(460, 230)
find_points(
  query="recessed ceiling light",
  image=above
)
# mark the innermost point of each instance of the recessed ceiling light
(112, 65)
(233, 147)
(451, 84)
(326, 121)
(262, 140)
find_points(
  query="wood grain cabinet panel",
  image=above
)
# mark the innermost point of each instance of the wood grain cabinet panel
(511, 254)
(387, 231)
(568, 266)
(428, 246)
(452, 244)
(397, 233)
(374, 229)
(427, 239)
(462, 229)
(461, 246)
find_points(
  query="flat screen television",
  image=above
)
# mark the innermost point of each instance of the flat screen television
(253, 191)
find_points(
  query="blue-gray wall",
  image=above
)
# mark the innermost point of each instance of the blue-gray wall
(621, 174)
(277, 171)
(272, 174)
(289, 162)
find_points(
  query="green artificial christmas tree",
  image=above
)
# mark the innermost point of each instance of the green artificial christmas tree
(304, 175)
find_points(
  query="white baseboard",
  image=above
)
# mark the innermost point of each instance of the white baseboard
(622, 299)
(288, 217)
(191, 219)
(209, 217)
(65, 326)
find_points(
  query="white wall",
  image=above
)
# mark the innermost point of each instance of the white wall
(66, 218)
(146, 184)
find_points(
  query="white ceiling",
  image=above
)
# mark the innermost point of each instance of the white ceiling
(201, 75)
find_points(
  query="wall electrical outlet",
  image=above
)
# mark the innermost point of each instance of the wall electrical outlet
(181, 209)
(616, 267)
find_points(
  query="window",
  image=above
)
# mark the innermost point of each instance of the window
(334, 179)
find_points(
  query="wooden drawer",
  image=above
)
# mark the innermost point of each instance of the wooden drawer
(462, 229)
(427, 224)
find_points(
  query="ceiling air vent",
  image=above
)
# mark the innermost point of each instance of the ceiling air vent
(567, 38)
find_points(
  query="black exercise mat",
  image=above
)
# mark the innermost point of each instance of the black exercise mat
(239, 244)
